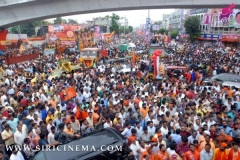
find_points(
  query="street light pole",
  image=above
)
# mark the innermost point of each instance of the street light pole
(124, 25)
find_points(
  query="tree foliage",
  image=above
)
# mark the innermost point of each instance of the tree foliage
(72, 21)
(191, 26)
(60, 20)
(162, 31)
(128, 29)
(174, 34)
(114, 23)
(28, 28)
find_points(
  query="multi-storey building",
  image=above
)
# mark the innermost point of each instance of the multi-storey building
(176, 20)
(215, 26)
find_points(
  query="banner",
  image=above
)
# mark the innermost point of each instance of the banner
(148, 23)
(231, 19)
(62, 32)
(20, 59)
(97, 32)
(56, 73)
(229, 38)
(155, 27)
(207, 18)
(3, 37)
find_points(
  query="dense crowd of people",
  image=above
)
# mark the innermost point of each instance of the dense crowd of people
(176, 118)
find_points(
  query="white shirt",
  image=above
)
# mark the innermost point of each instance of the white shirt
(151, 130)
(49, 127)
(134, 148)
(51, 139)
(37, 121)
(18, 156)
(106, 125)
(43, 98)
(191, 138)
(196, 127)
(164, 131)
(172, 153)
(19, 137)
(30, 117)
(205, 155)
(139, 131)
(3, 98)
(87, 96)
(127, 132)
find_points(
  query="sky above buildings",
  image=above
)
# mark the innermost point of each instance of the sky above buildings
(135, 17)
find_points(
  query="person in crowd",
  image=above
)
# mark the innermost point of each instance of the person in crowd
(206, 153)
(64, 137)
(16, 154)
(2, 157)
(8, 139)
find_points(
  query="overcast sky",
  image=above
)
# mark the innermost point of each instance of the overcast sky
(135, 18)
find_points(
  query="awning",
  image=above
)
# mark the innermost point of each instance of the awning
(207, 39)
(234, 40)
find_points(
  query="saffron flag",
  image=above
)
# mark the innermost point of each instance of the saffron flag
(70, 93)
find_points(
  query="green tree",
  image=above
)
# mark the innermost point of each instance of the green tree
(162, 31)
(60, 20)
(127, 29)
(130, 28)
(174, 34)
(28, 28)
(14, 30)
(191, 26)
(114, 23)
(72, 21)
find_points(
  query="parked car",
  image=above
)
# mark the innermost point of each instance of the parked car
(231, 84)
(220, 78)
(95, 141)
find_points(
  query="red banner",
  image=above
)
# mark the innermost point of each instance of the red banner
(3, 36)
(62, 32)
(23, 58)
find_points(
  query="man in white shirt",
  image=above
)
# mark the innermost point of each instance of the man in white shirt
(206, 153)
(31, 114)
(171, 151)
(164, 129)
(16, 155)
(3, 98)
(127, 131)
(193, 137)
(151, 128)
(139, 129)
(50, 137)
(19, 136)
(87, 95)
(136, 149)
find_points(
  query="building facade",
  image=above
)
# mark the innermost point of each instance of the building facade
(103, 22)
(176, 20)
(165, 21)
(216, 26)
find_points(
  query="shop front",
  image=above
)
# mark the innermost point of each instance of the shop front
(214, 38)
(230, 40)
